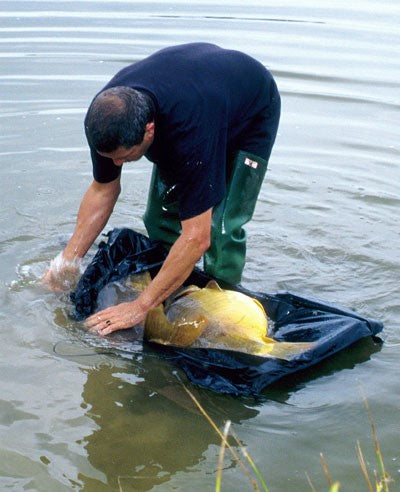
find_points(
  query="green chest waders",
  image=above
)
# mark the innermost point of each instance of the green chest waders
(226, 256)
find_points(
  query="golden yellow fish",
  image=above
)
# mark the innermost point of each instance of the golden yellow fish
(212, 317)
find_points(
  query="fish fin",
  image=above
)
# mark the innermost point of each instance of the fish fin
(283, 350)
(188, 331)
(268, 340)
(140, 281)
(156, 325)
(258, 303)
(184, 292)
(213, 284)
(182, 333)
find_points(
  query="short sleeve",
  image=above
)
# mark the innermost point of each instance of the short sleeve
(104, 170)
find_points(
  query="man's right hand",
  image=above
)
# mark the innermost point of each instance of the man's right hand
(94, 212)
(62, 274)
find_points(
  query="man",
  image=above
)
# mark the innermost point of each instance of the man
(207, 118)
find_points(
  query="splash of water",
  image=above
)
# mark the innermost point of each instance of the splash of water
(63, 274)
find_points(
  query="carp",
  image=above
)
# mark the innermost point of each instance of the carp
(212, 317)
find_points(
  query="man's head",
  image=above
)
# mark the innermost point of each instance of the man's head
(119, 118)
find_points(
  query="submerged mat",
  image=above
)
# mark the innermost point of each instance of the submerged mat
(295, 318)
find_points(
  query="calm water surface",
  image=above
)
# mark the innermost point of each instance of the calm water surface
(327, 225)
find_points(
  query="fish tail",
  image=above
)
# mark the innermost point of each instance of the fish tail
(283, 350)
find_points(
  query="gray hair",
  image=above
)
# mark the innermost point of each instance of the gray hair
(117, 117)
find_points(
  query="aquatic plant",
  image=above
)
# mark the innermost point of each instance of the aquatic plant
(225, 443)
(382, 478)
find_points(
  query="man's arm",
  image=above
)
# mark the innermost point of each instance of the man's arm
(94, 212)
(186, 251)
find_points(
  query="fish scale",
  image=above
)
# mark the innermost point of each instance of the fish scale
(212, 317)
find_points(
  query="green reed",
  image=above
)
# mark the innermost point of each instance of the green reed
(381, 477)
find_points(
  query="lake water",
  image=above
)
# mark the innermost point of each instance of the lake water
(326, 225)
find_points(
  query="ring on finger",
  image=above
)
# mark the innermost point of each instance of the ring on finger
(108, 322)
(99, 318)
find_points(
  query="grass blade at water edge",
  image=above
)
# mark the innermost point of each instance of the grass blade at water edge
(382, 482)
(364, 467)
(325, 468)
(214, 426)
(313, 489)
(250, 460)
(221, 456)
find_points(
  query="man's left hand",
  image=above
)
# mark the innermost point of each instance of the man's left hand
(120, 317)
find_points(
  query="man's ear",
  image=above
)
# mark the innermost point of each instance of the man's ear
(150, 129)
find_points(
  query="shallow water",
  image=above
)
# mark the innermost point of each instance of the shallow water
(326, 225)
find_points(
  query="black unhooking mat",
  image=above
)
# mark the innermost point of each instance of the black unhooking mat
(295, 318)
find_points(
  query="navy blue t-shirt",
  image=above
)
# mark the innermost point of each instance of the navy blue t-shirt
(208, 101)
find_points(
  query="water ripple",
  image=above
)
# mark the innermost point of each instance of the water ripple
(326, 225)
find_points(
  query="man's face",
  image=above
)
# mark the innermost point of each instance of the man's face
(123, 154)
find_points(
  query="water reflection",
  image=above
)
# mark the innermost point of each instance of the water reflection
(148, 428)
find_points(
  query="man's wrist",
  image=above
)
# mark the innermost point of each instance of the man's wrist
(71, 255)
(143, 302)
(61, 262)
